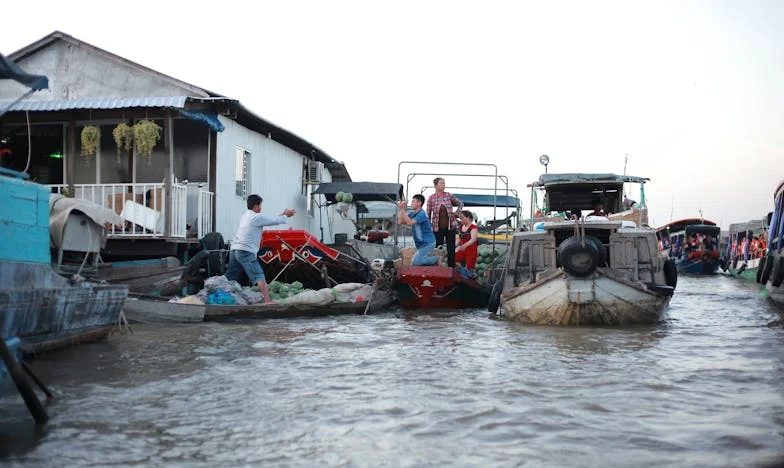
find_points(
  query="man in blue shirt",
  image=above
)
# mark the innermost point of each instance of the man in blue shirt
(424, 239)
(245, 246)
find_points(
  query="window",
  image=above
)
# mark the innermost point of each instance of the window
(242, 172)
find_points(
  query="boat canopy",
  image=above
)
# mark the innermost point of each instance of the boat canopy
(703, 229)
(680, 225)
(361, 191)
(478, 200)
(755, 226)
(569, 192)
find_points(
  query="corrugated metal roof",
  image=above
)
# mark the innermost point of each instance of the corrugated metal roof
(177, 102)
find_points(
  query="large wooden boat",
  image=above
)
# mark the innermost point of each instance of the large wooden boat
(587, 270)
(38, 306)
(772, 270)
(693, 244)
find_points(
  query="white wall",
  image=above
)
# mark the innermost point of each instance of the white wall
(276, 175)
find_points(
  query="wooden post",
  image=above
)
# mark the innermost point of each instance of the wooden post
(22, 384)
(168, 134)
(70, 157)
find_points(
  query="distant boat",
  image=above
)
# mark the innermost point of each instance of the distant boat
(772, 270)
(744, 252)
(590, 270)
(693, 243)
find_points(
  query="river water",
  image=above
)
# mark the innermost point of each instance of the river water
(703, 388)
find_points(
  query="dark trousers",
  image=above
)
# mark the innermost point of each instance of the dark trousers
(450, 244)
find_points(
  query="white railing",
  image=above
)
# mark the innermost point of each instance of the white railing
(142, 205)
(204, 220)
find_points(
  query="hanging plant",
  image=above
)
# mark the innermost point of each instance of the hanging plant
(123, 137)
(91, 140)
(146, 134)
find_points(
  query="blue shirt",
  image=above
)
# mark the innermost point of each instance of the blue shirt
(422, 231)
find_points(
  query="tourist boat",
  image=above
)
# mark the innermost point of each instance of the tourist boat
(443, 287)
(772, 269)
(589, 270)
(682, 241)
(743, 252)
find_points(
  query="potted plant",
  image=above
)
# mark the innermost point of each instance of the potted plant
(146, 134)
(123, 137)
(91, 140)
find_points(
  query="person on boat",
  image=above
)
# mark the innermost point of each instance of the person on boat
(424, 239)
(244, 252)
(575, 213)
(597, 206)
(442, 209)
(467, 251)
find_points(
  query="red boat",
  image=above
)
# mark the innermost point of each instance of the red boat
(433, 287)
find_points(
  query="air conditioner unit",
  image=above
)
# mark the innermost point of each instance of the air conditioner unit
(315, 171)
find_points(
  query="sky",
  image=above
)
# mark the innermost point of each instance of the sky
(687, 93)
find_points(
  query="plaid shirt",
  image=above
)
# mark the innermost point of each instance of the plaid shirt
(434, 203)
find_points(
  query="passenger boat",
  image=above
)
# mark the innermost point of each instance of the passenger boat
(745, 249)
(589, 270)
(772, 268)
(443, 287)
(693, 244)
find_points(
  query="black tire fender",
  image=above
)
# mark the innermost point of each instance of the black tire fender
(670, 273)
(495, 297)
(589, 255)
(767, 268)
(777, 273)
(193, 265)
(761, 267)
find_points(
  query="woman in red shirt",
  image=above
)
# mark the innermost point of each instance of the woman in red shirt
(466, 251)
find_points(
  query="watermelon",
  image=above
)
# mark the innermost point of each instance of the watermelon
(348, 198)
(339, 196)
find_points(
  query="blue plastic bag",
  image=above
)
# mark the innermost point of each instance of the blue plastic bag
(220, 297)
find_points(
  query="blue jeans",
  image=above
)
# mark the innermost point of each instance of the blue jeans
(422, 256)
(247, 261)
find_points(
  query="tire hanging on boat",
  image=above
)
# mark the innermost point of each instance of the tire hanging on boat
(760, 267)
(777, 274)
(495, 297)
(766, 269)
(579, 260)
(670, 273)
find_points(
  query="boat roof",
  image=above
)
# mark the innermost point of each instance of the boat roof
(680, 225)
(581, 178)
(362, 191)
(755, 226)
(484, 200)
(703, 229)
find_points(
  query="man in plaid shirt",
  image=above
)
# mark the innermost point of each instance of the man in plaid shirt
(443, 217)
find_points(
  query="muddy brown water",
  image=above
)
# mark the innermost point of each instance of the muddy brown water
(705, 387)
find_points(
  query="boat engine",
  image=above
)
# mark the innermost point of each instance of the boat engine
(581, 260)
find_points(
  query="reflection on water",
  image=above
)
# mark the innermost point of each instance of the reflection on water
(702, 388)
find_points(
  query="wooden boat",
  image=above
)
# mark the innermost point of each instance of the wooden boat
(435, 287)
(676, 241)
(772, 270)
(38, 306)
(584, 271)
(142, 276)
(155, 309)
(742, 256)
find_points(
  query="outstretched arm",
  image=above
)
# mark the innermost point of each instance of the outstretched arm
(402, 216)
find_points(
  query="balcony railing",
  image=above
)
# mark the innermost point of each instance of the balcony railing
(144, 209)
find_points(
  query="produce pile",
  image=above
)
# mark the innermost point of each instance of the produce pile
(344, 197)
(489, 259)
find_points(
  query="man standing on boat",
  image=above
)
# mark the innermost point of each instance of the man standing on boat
(424, 240)
(245, 246)
(443, 217)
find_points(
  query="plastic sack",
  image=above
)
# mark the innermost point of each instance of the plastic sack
(220, 297)
(320, 297)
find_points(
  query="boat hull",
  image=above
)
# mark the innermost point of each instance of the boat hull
(776, 292)
(745, 270)
(419, 287)
(561, 299)
(698, 267)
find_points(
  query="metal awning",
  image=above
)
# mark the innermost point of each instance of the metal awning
(361, 191)
(484, 200)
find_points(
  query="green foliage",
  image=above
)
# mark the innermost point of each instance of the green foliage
(146, 134)
(123, 137)
(91, 140)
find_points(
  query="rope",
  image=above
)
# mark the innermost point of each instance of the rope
(122, 326)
